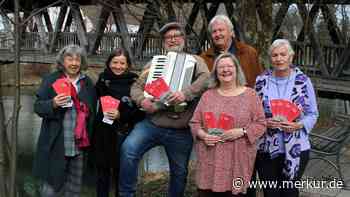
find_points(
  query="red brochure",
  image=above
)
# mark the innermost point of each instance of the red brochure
(226, 122)
(109, 103)
(209, 120)
(284, 109)
(157, 88)
(152, 90)
(62, 86)
(293, 111)
(161, 85)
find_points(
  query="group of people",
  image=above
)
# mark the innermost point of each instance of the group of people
(228, 81)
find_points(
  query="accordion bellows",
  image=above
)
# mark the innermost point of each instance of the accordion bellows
(176, 69)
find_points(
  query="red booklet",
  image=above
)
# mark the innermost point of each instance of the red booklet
(109, 103)
(62, 86)
(226, 122)
(157, 88)
(284, 110)
(209, 120)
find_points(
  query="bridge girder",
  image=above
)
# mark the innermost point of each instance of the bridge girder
(152, 17)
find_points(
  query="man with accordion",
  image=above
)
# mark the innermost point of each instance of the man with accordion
(167, 90)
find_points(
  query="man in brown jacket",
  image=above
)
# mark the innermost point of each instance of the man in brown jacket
(164, 126)
(223, 39)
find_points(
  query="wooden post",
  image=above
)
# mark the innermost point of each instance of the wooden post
(318, 53)
(81, 29)
(120, 22)
(43, 38)
(58, 27)
(281, 14)
(100, 27)
(333, 28)
(47, 21)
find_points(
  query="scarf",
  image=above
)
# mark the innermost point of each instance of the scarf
(268, 143)
(80, 132)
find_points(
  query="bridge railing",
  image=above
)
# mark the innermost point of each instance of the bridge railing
(304, 56)
(304, 53)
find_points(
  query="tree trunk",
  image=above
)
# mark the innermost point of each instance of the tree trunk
(16, 105)
(249, 22)
(265, 32)
(3, 161)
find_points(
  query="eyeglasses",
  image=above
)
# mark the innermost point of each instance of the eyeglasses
(222, 67)
(174, 36)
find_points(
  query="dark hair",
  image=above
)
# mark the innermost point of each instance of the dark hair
(119, 52)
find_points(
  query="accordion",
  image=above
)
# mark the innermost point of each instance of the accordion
(176, 69)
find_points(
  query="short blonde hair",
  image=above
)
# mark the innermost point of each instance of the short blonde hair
(240, 77)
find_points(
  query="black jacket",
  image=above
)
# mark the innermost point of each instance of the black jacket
(106, 136)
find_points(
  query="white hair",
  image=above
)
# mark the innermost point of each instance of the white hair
(281, 42)
(220, 18)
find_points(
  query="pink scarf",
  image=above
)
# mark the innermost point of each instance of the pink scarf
(80, 133)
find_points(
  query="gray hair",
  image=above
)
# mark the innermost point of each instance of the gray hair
(240, 77)
(71, 50)
(221, 18)
(281, 42)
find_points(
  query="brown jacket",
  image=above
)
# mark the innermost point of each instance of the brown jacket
(247, 56)
(165, 117)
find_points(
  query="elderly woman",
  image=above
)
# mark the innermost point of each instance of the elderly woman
(283, 151)
(226, 154)
(68, 117)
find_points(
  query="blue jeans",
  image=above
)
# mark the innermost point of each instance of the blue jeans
(177, 144)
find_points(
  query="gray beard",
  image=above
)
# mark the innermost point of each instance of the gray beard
(178, 48)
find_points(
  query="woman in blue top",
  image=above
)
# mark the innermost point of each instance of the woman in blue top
(283, 151)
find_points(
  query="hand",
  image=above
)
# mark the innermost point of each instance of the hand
(148, 105)
(209, 140)
(290, 127)
(176, 97)
(112, 114)
(232, 134)
(273, 124)
(60, 100)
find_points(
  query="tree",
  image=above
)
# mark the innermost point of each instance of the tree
(8, 151)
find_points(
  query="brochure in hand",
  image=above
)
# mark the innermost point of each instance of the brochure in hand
(108, 103)
(284, 110)
(63, 86)
(218, 126)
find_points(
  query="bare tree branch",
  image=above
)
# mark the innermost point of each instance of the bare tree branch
(1, 2)
(3, 13)
(40, 10)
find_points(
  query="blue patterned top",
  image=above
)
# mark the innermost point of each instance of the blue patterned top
(296, 87)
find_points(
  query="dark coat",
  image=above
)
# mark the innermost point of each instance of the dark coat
(106, 137)
(49, 161)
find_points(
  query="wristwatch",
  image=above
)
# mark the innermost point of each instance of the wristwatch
(244, 131)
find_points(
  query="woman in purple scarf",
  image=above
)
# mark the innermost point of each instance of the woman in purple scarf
(283, 151)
